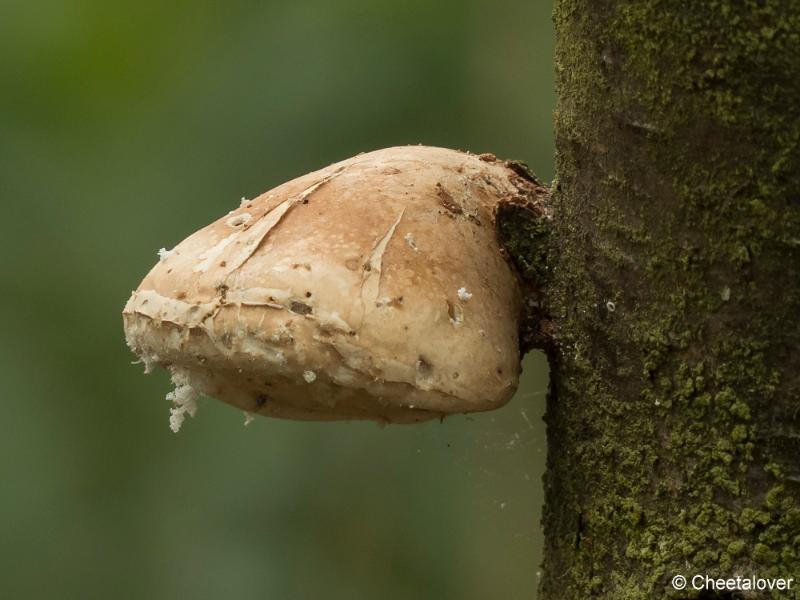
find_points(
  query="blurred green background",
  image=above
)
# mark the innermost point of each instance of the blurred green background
(125, 126)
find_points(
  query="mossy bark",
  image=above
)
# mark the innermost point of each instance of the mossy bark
(674, 297)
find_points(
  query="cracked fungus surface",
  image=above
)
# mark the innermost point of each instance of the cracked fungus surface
(372, 289)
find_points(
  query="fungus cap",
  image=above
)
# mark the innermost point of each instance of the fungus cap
(374, 288)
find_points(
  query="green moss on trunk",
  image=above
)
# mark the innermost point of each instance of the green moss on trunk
(673, 415)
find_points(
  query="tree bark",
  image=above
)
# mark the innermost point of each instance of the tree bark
(673, 297)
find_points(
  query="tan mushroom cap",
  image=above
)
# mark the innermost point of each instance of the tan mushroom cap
(374, 288)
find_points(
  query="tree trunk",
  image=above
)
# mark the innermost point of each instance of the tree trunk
(674, 298)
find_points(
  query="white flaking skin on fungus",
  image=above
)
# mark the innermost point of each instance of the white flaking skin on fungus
(164, 254)
(183, 398)
(463, 294)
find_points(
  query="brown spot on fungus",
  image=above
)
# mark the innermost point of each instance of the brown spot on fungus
(455, 313)
(301, 308)
(424, 368)
(447, 200)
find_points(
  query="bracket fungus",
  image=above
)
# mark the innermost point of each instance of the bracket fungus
(375, 288)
